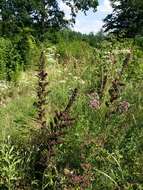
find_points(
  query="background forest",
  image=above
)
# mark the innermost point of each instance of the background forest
(71, 104)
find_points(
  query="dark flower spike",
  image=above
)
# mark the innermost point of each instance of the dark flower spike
(52, 134)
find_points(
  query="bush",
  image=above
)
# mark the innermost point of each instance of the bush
(28, 49)
(10, 60)
(17, 54)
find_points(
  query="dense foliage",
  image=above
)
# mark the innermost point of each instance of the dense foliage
(15, 56)
(126, 18)
(38, 15)
(21, 52)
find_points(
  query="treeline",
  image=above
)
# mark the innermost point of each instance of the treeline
(21, 52)
(126, 19)
(26, 26)
(39, 16)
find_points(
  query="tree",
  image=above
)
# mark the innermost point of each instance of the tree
(39, 14)
(126, 18)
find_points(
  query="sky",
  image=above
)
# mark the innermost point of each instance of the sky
(93, 22)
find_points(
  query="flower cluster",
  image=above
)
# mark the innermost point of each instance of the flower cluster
(124, 106)
(94, 102)
(81, 181)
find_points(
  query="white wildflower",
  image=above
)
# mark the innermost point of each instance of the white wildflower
(3, 85)
(62, 81)
(82, 81)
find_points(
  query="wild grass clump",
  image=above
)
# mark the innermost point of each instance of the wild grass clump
(10, 162)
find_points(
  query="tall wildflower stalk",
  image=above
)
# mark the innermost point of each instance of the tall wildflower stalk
(42, 92)
(52, 134)
(112, 84)
(114, 91)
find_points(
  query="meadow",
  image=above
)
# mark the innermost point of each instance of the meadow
(71, 118)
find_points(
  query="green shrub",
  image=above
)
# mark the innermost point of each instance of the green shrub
(10, 60)
(28, 49)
